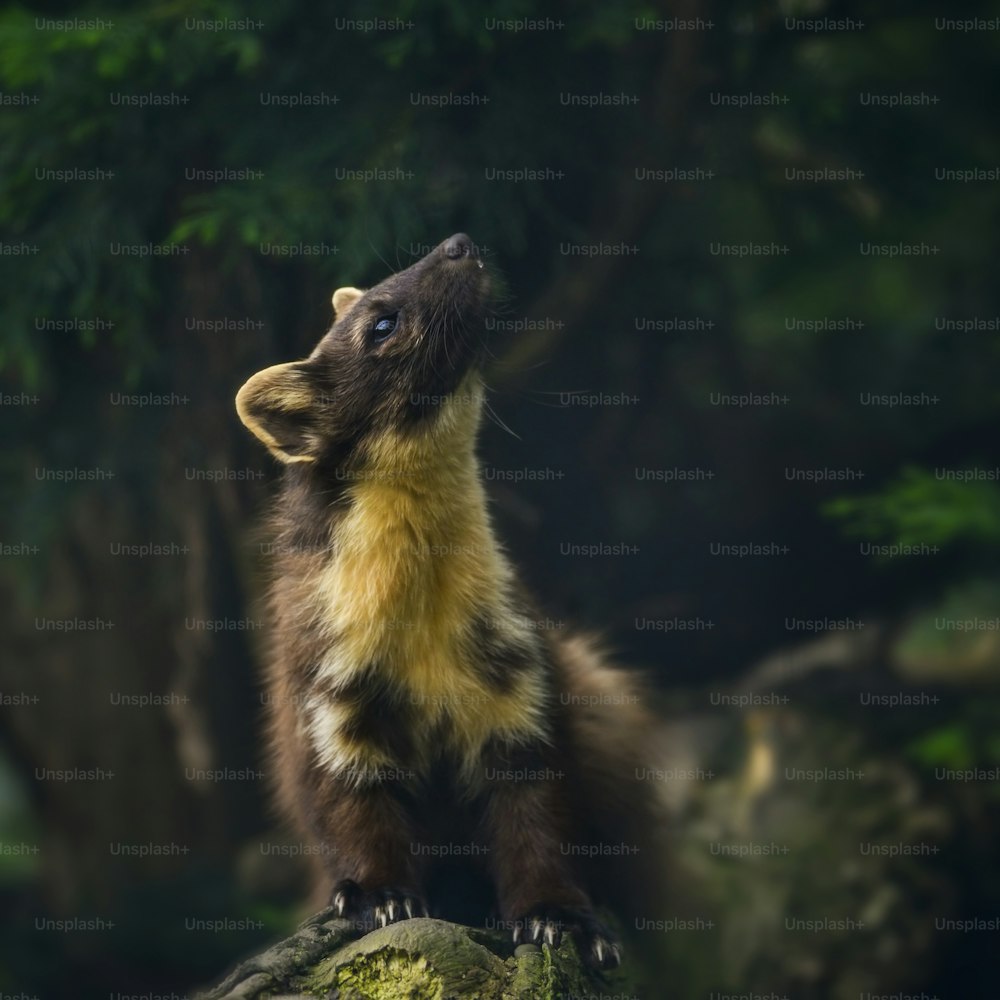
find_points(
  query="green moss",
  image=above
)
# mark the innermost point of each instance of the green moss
(419, 959)
(391, 974)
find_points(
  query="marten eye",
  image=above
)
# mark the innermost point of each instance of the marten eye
(384, 328)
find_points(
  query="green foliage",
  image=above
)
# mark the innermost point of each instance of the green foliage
(220, 76)
(968, 745)
(948, 746)
(922, 506)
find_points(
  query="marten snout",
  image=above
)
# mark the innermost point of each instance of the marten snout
(460, 245)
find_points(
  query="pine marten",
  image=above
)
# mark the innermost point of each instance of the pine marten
(414, 697)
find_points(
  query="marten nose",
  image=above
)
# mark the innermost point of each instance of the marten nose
(459, 245)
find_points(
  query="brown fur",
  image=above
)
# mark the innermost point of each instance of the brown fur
(405, 665)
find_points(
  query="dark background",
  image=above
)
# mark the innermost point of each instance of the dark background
(655, 318)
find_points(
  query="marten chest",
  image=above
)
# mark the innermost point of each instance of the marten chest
(421, 653)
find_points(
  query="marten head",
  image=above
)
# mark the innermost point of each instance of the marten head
(399, 366)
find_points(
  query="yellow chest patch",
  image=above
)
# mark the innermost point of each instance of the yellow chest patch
(414, 563)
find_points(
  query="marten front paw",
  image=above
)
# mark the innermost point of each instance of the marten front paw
(376, 907)
(545, 925)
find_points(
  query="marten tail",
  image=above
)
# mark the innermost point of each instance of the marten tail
(623, 821)
(612, 724)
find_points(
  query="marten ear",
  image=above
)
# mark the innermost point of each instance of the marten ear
(279, 406)
(344, 299)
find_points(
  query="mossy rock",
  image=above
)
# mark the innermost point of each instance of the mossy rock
(418, 959)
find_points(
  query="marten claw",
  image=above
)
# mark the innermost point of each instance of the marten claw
(542, 932)
(545, 925)
(606, 954)
(378, 907)
(341, 900)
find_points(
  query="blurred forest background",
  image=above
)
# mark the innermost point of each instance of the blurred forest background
(136, 304)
